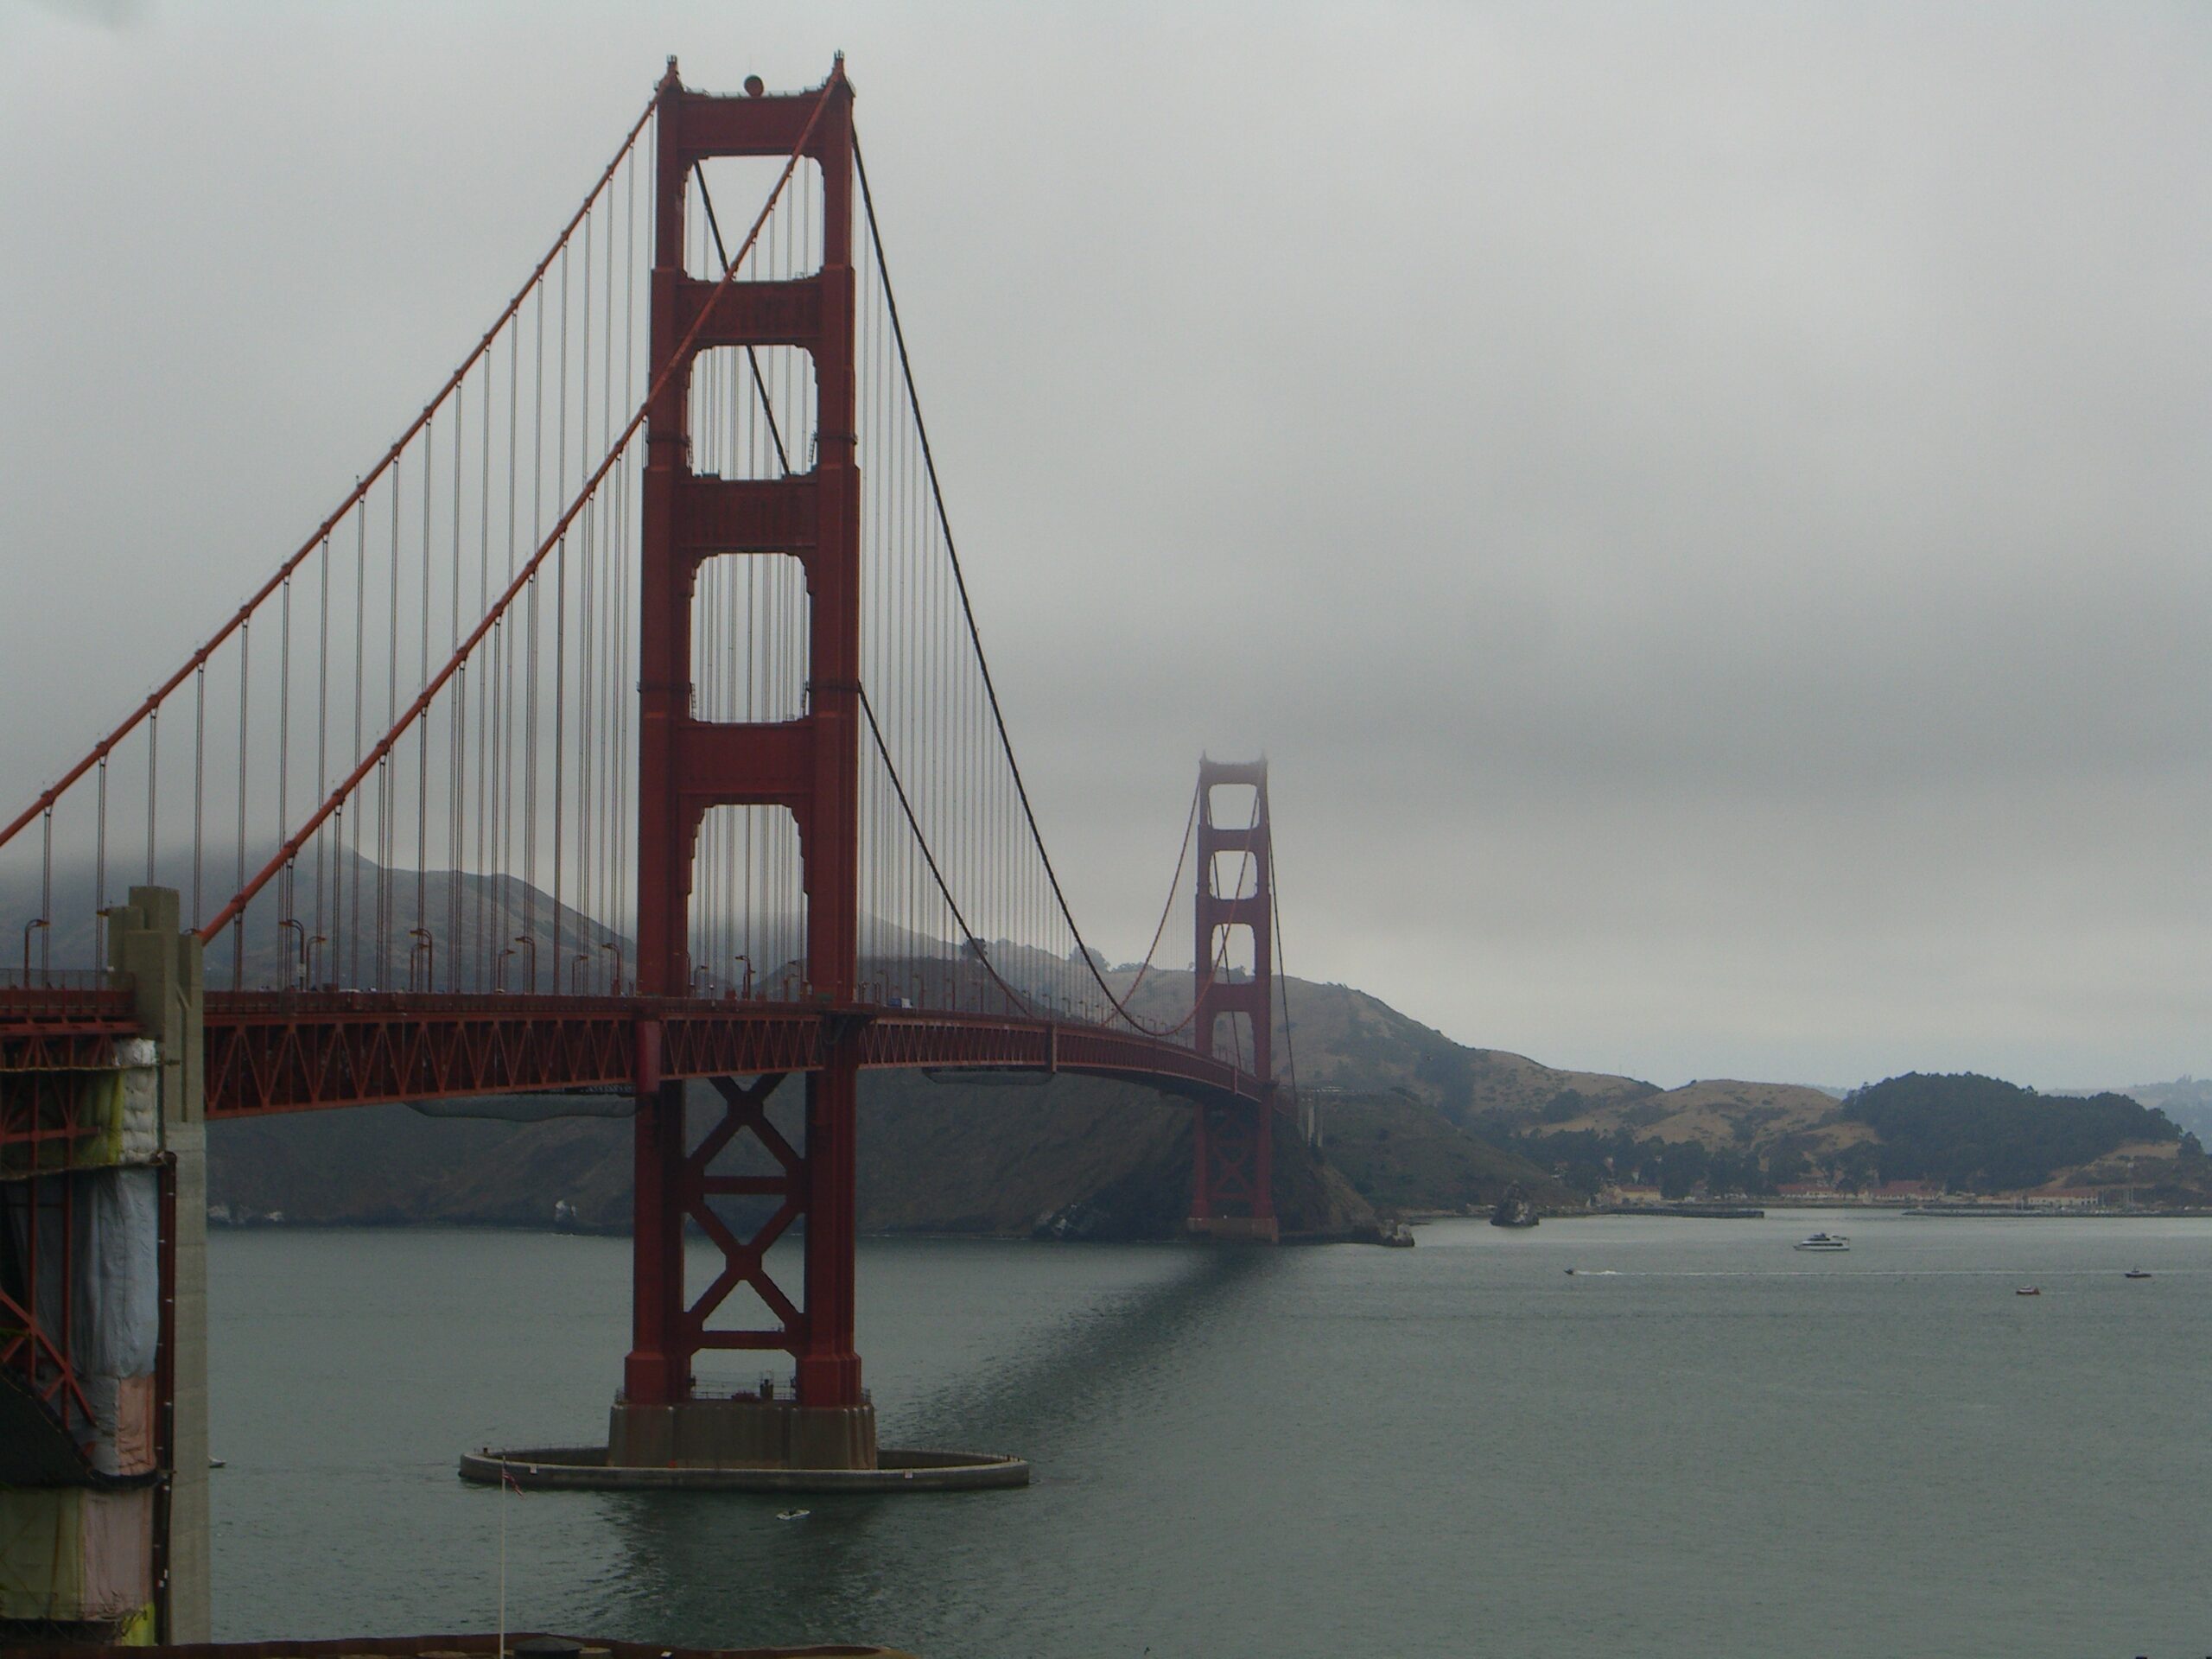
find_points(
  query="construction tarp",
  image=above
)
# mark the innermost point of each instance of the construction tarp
(122, 1407)
(117, 1317)
(73, 1556)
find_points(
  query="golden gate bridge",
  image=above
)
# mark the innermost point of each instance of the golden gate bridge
(625, 724)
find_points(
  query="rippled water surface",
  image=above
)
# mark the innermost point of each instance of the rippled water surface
(1700, 1443)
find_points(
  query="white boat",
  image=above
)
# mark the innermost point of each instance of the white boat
(1823, 1242)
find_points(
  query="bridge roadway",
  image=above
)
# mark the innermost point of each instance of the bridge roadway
(288, 1051)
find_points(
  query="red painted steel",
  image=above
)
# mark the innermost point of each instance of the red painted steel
(50, 1039)
(809, 766)
(34, 1324)
(290, 1053)
(1232, 1144)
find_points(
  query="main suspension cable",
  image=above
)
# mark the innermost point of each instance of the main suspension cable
(967, 610)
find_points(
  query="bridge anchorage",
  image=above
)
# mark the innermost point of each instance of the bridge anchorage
(677, 635)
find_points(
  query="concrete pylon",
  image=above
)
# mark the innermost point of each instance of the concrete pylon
(103, 1271)
(147, 942)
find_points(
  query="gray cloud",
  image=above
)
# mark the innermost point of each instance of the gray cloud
(1703, 506)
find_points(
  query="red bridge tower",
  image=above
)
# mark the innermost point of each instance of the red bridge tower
(809, 766)
(1232, 1180)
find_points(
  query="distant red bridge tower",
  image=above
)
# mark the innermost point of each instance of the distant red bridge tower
(1231, 1182)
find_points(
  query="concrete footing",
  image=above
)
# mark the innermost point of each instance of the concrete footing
(744, 1432)
(587, 1468)
(1258, 1230)
(751, 1443)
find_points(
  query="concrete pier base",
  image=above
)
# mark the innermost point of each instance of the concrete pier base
(587, 1468)
(741, 1433)
(751, 1443)
(1257, 1230)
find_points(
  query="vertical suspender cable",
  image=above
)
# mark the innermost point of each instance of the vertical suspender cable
(423, 730)
(561, 606)
(46, 892)
(199, 788)
(153, 795)
(245, 750)
(384, 767)
(321, 730)
(352, 929)
(99, 869)
(530, 656)
(285, 897)
(456, 758)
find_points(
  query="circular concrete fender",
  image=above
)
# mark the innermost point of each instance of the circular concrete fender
(585, 1468)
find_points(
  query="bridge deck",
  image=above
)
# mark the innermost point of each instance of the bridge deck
(271, 1052)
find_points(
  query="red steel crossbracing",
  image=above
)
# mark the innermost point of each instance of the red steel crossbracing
(1233, 1143)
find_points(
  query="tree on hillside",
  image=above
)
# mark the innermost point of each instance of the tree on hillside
(1857, 1168)
(1982, 1134)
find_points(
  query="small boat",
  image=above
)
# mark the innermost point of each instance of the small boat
(2029, 1290)
(1823, 1242)
(793, 1515)
(2136, 1273)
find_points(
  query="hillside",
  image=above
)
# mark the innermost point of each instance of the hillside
(1976, 1134)
(1344, 1039)
(1403, 1156)
(1961, 1133)
(1102, 1160)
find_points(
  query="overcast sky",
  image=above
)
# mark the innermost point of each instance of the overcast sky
(1705, 507)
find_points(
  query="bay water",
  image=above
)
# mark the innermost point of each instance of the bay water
(1700, 1442)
